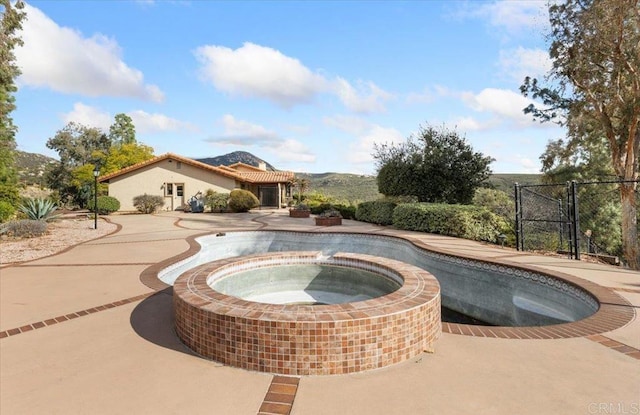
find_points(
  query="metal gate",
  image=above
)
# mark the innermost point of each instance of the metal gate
(549, 216)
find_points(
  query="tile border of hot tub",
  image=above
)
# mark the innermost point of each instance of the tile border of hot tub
(293, 339)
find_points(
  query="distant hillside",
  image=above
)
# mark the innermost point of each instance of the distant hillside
(340, 186)
(343, 186)
(31, 167)
(235, 157)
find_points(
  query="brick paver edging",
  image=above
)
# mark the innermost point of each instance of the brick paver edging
(614, 312)
(71, 316)
(615, 345)
(280, 396)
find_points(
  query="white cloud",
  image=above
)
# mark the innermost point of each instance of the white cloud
(258, 71)
(366, 98)
(521, 62)
(512, 16)
(62, 59)
(466, 124)
(152, 123)
(502, 103)
(347, 123)
(241, 133)
(89, 116)
(143, 121)
(362, 149)
(261, 72)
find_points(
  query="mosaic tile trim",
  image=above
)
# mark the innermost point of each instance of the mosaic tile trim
(309, 340)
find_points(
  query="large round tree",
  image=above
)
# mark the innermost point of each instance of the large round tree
(436, 165)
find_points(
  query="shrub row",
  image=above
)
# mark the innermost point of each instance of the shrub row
(379, 212)
(346, 211)
(462, 221)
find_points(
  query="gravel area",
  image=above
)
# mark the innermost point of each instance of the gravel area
(60, 235)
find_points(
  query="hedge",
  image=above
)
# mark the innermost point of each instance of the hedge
(242, 200)
(347, 212)
(461, 221)
(379, 212)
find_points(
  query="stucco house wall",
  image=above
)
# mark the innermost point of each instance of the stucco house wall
(153, 179)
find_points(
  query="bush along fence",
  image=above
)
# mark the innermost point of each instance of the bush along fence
(462, 221)
(573, 218)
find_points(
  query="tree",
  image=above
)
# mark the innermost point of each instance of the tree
(125, 155)
(80, 148)
(122, 131)
(437, 166)
(10, 23)
(594, 90)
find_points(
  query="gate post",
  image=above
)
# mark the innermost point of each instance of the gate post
(518, 201)
(576, 221)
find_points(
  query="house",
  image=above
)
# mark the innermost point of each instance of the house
(178, 178)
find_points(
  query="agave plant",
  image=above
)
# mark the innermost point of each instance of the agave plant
(39, 209)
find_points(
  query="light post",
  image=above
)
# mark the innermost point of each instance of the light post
(96, 173)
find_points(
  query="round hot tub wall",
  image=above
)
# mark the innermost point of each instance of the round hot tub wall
(398, 320)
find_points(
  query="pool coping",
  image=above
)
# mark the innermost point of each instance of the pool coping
(613, 313)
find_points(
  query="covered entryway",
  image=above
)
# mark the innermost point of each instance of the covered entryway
(268, 196)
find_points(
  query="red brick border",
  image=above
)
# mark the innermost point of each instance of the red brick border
(615, 345)
(71, 316)
(280, 396)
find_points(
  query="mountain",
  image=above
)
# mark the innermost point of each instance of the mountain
(31, 167)
(235, 157)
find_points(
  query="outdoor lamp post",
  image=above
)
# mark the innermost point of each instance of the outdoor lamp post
(96, 173)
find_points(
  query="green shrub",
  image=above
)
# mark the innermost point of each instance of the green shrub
(379, 212)
(462, 221)
(38, 209)
(148, 203)
(346, 211)
(242, 201)
(216, 201)
(25, 228)
(6, 211)
(106, 205)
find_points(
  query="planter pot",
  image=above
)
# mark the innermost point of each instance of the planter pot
(299, 213)
(330, 221)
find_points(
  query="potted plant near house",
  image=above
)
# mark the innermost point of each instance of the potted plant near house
(300, 211)
(329, 217)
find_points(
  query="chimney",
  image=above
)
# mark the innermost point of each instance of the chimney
(262, 165)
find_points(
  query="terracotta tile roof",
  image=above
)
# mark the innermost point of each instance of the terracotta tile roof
(244, 165)
(267, 176)
(259, 176)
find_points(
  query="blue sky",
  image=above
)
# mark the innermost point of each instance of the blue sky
(307, 86)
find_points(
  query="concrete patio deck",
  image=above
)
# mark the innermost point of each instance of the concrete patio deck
(80, 334)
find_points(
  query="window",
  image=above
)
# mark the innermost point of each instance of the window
(179, 190)
(168, 190)
(179, 165)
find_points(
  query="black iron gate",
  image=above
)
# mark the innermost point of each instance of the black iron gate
(549, 217)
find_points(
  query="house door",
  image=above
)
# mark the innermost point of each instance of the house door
(268, 196)
(174, 195)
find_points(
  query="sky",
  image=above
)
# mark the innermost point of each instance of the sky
(307, 86)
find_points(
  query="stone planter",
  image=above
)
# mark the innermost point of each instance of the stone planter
(293, 213)
(328, 221)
